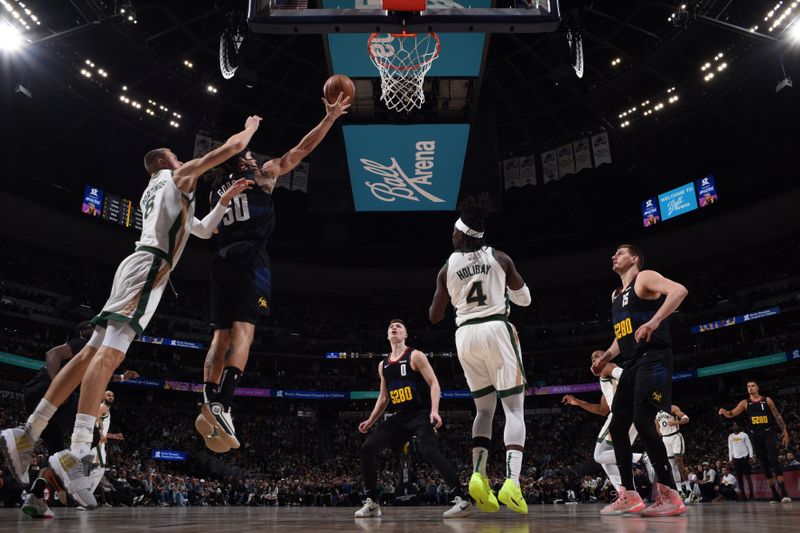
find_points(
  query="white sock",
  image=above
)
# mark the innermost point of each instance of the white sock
(39, 419)
(82, 434)
(479, 458)
(513, 465)
(637, 457)
(612, 471)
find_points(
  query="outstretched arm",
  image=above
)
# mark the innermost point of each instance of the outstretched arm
(594, 408)
(651, 282)
(186, 176)
(440, 297)
(281, 165)
(739, 409)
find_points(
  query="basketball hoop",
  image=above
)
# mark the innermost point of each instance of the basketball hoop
(403, 59)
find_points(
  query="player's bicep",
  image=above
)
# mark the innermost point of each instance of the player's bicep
(773, 408)
(655, 282)
(197, 167)
(420, 363)
(514, 279)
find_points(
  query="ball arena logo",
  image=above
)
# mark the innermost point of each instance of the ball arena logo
(397, 183)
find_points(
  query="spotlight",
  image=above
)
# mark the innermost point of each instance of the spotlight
(794, 31)
(10, 38)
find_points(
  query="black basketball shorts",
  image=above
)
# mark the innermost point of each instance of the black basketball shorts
(647, 380)
(241, 289)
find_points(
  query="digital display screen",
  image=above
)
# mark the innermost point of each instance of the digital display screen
(700, 193)
(706, 191)
(406, 168)
(92, 201)
(650, 214)
(677, 201)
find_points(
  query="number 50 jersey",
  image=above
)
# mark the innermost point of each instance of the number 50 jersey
(477, 285)
(249, 220)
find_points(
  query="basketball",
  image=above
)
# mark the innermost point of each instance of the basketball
(338, 83)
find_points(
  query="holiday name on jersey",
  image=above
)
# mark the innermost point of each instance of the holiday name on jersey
(473, 270)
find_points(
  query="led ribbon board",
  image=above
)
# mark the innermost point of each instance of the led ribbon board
(406, 168)
(460, 54)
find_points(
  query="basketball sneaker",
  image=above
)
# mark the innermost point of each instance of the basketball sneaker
(17, 447)
(668, 503)
(76, 475)
(481, 491)
(369, 510)
(50, 476)
(786, 499)
(36, 507)
(511, 495)
(628, 501)
(222, 421)
(460, 509)
(211, 436)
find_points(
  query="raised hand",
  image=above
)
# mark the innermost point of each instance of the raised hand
(237, 188)
(338, 108)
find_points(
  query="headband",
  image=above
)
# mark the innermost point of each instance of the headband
(463, 228)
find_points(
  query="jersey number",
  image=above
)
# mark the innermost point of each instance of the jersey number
(476, 294)
(401, 395)
(238, 211)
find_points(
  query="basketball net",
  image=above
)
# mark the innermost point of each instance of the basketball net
(402, 60)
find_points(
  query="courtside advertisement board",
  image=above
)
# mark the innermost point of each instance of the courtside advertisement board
(406, 168)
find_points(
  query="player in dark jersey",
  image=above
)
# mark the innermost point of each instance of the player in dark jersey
(642, 346)
(241, 278)
(762, 417)
(61, 422)
(409, 384)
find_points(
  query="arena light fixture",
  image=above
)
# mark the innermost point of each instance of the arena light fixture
(188, 64)
(211, 89)
(10, 37)
(794, 31)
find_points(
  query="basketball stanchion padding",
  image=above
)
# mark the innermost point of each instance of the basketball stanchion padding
(404, 5)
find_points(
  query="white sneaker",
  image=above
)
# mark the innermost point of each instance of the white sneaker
(369, 510)
(36, 507)
(215, 414)
(76, 476)
(17, 447)
(460, 509)
(786, 499)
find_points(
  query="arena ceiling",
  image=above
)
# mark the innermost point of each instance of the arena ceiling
(63, 116)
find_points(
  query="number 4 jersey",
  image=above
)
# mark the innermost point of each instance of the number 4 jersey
(477, 285)
(249, 220)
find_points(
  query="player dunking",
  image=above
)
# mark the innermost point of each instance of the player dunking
(410, 385)
(604, 449)
(640, 312)
(168, 208)
(762, 417)
(241, 278)
(479, 281)
(668, 424)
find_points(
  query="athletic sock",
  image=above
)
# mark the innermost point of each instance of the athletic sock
(370, 494)
(230, 379)
(513, 465)
(479, 457)
(210, 392)
(39, 419)
(637, 458)
(37, 489)
(783, 488)
(774, 491)
(82, 434)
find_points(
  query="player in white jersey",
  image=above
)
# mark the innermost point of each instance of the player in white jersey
(668, 426)
(479, 281)
(103, 425)
(168, 208)
(604, 448)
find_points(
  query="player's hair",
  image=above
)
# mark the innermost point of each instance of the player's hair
(474, 212)
(151, 160)
(754, 382)
(634, 251)
(83, 326)
(231, 164)
(398, 321)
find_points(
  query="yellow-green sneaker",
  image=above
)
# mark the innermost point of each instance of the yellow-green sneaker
(481, 491)
(512, 497)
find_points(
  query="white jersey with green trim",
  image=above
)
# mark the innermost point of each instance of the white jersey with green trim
(662, 421)
(167, 214)
(477, 285)
(608, 386)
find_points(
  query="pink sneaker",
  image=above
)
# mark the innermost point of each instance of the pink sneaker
(626, 502)
(668, 503)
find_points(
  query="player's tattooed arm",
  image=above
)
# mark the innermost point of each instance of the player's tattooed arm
(779, 420)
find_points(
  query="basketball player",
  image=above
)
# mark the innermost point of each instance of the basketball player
(604, 449)
(640, 312)
(409, 383)
(53, 435)
(740, 451)
(241, 279)
(103, 425)
(763, 416)
(669, 425)
(479, 281)
(168, 208)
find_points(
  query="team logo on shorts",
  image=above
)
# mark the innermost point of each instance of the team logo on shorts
(657, 396)
(262, 302)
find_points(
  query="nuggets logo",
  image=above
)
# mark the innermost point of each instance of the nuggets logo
(657, 396)
(262, 303)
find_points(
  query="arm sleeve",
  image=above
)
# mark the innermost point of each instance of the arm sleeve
(616, 373)
(521, 297)
(205, 228)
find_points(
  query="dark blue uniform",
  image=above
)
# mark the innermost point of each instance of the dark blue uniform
(761, 426)
(241, 278)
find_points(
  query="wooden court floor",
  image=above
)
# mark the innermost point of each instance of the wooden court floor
(707, 518)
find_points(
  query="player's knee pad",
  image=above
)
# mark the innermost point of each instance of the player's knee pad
(514, 433)
(119, 336)
(484, 413)
(604, 453)
(96, 340)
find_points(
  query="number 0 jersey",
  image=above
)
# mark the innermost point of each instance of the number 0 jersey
(477, 285)
(249, 220)
(408, 390)
(662, 421)
(167, 214)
